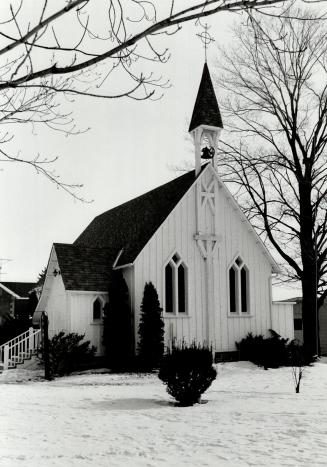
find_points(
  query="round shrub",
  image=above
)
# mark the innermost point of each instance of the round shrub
(188, 372)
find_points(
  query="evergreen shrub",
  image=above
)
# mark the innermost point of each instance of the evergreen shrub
(68, 353)
(151, 330)
(118, 338)
(273, 351)
(188, 372)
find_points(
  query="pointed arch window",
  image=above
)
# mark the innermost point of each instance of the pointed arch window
(176, 286)
(238, 276)
(97, 310)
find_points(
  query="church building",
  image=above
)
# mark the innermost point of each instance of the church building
(189, 238)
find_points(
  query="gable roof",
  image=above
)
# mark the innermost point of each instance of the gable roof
(83, 268)
(130, 226)
(206, 110)
(18, 289)
(116, 237)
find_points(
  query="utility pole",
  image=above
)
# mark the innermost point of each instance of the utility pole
(45, 345)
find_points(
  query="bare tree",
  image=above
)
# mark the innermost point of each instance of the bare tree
(275, 154)
(55, 50)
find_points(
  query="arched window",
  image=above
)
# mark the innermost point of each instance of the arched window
(238, 287)
(176, 286)
(97, 309)
(169, 288)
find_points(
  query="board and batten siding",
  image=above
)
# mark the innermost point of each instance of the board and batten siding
(81, 313)
(176, 234)
(54, 298)
(282, 319)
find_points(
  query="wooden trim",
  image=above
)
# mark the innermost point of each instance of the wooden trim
(87, 292)
(9, 291)
(127, 265)
(117, 258)
(275, 268)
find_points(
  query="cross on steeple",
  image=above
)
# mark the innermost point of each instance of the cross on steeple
(206, 39)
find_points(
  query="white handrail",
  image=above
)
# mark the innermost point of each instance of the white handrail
(19, 348)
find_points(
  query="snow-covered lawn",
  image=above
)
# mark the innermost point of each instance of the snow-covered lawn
(252, 418)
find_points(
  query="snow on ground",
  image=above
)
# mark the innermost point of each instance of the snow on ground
(252, 418)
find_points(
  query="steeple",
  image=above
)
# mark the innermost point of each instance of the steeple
(206, 123)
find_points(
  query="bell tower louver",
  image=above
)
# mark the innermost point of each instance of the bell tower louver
(206, 123)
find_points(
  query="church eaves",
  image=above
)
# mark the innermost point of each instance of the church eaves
(206, 110)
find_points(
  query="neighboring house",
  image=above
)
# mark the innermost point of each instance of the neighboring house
(189, 238)
(14, 299)
(298, 326)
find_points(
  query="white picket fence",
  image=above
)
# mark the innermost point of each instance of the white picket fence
(20, 348)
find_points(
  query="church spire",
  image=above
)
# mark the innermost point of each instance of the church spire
(206, 110)
(206, 123)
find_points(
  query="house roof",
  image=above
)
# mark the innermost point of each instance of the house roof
(85, 268)
(206, 110)
(294, 300)
(19, 289)
(130, 226)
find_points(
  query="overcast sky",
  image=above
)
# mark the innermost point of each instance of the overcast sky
(128, 150)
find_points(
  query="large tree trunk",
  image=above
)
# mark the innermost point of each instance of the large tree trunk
(310, 314)
(309, 271)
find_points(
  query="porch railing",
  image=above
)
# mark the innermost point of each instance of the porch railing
(20, 348)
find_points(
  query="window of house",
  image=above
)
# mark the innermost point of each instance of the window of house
(176, 286)
(97, 310)
(238, 276)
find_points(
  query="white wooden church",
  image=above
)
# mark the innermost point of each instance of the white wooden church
(189, 238)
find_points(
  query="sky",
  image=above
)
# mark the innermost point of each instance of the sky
(130, 147)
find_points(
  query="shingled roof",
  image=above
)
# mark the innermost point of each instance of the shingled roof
(130, 226)
(84, 268)
(206, 110)
(20, 288)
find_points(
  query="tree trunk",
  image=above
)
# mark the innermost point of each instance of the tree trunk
(309, 313)
(309, 271)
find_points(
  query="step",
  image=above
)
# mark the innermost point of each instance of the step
(17, 359)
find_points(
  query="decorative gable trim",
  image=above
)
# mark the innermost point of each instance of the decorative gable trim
(236, 207)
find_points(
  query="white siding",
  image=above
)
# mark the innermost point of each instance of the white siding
(70, 311)
(54, 299)
(177, 234)
(282, 319)
(81, 306)
(128, 274)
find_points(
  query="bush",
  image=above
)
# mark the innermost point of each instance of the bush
(67, 353)
(298, 355)
(118, 336)
(273, 351)
(188, 372)
(151, 329)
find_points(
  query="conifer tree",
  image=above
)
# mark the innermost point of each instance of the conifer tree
(117, 329)
(151, 329)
